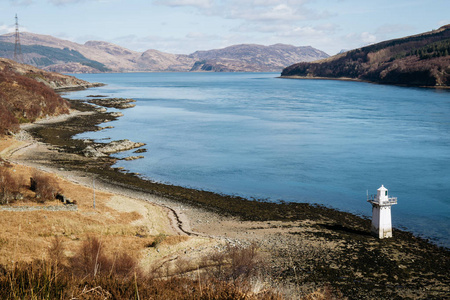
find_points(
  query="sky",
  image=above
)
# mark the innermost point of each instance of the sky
(185, 26)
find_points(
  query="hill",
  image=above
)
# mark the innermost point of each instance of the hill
(59, 55)
(419, 60)
(27, 93)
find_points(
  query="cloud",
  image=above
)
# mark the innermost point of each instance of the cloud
(368, 38)
(6, 29)
(390, 29)
(272, 13)
(290, 30)
(63, 2)
(21, 2)
(194, 3)
(355, 40)
(187, 44)
(443, 22)
(252, 10)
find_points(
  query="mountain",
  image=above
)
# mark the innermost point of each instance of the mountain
(48, 52)
(59, 55)
(418, 60)
(249, 57)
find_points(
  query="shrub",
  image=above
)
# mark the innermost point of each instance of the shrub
(56, 251)
(124, 265)
(235, 263)
(157, 240)
(8, 123)
(45, 186)
(9, 185)
(90, 260)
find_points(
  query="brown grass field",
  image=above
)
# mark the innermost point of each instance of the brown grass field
(121, 222)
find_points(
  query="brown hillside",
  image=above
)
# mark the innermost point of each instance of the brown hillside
(25, 95)
(53, 80)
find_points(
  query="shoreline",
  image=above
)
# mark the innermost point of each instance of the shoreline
(327, 246)
(360, 80)
(136, 182)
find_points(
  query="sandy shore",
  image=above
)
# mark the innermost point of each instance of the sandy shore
(302, 254)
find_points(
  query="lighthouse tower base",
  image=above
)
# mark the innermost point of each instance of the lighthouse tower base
(381, 221)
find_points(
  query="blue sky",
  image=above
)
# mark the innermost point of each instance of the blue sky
(184, 26)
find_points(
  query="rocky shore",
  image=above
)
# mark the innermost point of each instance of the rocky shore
(307, 246)
(119, 103)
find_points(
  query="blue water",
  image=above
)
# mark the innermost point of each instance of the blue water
(319, 141)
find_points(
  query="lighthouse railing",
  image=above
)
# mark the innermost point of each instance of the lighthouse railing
(392, 200)
(374, 198)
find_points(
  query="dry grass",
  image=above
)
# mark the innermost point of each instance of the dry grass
(92, 272)
(127, 227)
(123, 226)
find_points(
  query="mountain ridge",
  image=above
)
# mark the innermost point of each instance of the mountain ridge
(100, 56)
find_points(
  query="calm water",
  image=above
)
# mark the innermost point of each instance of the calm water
(317, 141)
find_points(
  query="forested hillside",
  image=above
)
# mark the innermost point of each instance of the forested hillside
(420, 60)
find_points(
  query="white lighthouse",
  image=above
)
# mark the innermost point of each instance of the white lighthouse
(381, 213)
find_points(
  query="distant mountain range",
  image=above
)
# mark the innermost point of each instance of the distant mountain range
(53, 54)
(418, 60)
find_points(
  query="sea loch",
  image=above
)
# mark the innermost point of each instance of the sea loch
(317, 141)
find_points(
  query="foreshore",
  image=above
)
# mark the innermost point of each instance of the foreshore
(307, 246)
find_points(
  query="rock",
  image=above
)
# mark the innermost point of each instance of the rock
(118, 146)
(120, 103)
(140, 150)
(89, 151)
(133, 157)
(101, 150)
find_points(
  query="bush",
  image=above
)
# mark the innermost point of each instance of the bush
(157, 240)
(45, 186)
(9, 185)
(56, 251)
(235, 263)
(8, 123)
(91, 261)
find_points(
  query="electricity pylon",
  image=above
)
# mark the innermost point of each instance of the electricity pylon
(17, 48)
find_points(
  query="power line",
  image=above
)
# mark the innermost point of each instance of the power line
(17, 47)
